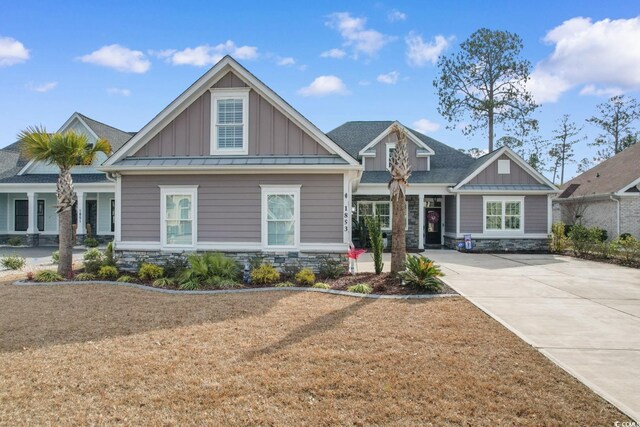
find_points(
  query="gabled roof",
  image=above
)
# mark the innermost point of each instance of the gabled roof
(423, 148)
(203, 84)
(615, 175)
(116, 137)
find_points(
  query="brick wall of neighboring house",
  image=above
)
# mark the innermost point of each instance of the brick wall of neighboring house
(630, 216)
(600, 213)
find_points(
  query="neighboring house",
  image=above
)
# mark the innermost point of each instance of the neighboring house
(28, 191)
(605, 196)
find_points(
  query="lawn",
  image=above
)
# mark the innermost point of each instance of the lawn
(98, 354)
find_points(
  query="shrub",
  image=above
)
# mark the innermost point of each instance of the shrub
(109, 259)
(14, 241)
(289, 271)
(375, 236)
(360, 288)
(93, 260)
(211, 269)
(284, 285)
(55, 257)
(606, 249)
(266, 274)
(175, 265)
(255, 261)
(13, 262)
(584, 239)
(150, 271)
(125, 278)
(321, 285)
(558, 238)
(108, 272)
(163, 282)
(421, 272)
(47, 276)
(189, 285)
(90, 242)
(83, 277)
(228, 284)
(305, 277)
(629, 247)
(625, 236)
(330, 268)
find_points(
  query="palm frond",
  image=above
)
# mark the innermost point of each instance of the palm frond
(35, 143)
(100, 146)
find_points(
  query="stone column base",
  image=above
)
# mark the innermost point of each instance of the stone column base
(32, 240)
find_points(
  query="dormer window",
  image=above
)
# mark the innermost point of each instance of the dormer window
(229, 121)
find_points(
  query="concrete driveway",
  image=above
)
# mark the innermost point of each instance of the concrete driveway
(583, 315)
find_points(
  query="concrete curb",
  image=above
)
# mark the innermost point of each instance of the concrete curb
(235, 291)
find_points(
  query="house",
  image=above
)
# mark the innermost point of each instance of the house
(28, 191)
(605, 196)
(230, 166)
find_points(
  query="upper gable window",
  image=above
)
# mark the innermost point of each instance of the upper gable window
(230, 121)
(504, 167)
(391, 149)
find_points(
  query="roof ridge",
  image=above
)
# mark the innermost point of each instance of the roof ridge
(100, 123)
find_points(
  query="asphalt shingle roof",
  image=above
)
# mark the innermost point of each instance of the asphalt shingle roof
(50, 178)
(116, 137)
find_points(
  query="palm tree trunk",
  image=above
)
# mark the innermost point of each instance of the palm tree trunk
(398, 240)
(66, 199)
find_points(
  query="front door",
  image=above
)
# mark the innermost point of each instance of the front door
(432, 226)
(92, 217)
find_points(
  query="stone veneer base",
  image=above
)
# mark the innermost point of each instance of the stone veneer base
(501, 245)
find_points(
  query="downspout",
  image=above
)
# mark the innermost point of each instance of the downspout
(618, 213)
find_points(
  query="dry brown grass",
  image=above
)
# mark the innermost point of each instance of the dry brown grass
(96, 354)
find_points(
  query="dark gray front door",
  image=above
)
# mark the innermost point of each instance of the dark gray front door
(92, 217)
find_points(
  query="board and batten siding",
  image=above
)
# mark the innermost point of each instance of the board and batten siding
(450, 214)
(517, 174)
(379, 162)
(472, 214)
(270, 131)
(229, 206)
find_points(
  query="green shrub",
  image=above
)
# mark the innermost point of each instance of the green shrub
(84, 277)
(47, 276)
(305, 277)
(189, 285)
(108, 272)
(109, 259)
(628, 247)
(228, 284)
(321, 285)
(289, 271)
(14, 241)
(150, 271)
(163, 282)
(211, 269)
(331, 268)
(360, 288)
(13, 262)
(55, 257)
(90, 242)
(266, 274)
(625, 236)
(421, 272)
(377, 245)
(255, 261)
(583, 239)
(606, 249)
(125, 278)
(558, 238)
(284, 285)
(93, 260)
(175, 265)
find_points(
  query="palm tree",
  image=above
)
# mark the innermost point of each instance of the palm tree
(64, 150)
(400, 173)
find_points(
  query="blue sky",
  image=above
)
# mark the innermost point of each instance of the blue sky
(121, 62)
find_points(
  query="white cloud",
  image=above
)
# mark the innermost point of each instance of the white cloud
(118, 91)
(389, 78)
(324, 85)
(333, 53)
(603, 55)
(395, 16)
(119, 58)
(283, 62)
(420, 52)
(12, 52)
(42, 88)
(364, 82)
(356, 36)
(205, 55)
(425, 126)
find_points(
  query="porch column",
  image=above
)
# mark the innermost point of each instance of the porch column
(421, 221)
(81, 230)
(31, 227)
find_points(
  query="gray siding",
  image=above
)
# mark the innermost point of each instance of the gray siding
(517, 175)
(450, 214)
(270, 131)
(379, 162)
(4, 211)
(471, 214)
(229, 206)
(535, 214)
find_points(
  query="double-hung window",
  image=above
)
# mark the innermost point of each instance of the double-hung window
(179, 209)
(280, 217)
(382, 210)
(21, 215)
(503, 214)
(229, 121)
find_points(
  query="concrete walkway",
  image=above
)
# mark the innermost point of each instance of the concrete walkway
(583, 315)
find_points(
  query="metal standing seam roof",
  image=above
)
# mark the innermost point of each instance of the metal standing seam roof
(507, 187)
(230, 161)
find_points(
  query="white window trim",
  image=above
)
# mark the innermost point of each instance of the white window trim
(503, 200)
(373, 203)
(268, 190)
(389, 147)
(504, 166)
(235, 93)
(168, 190)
